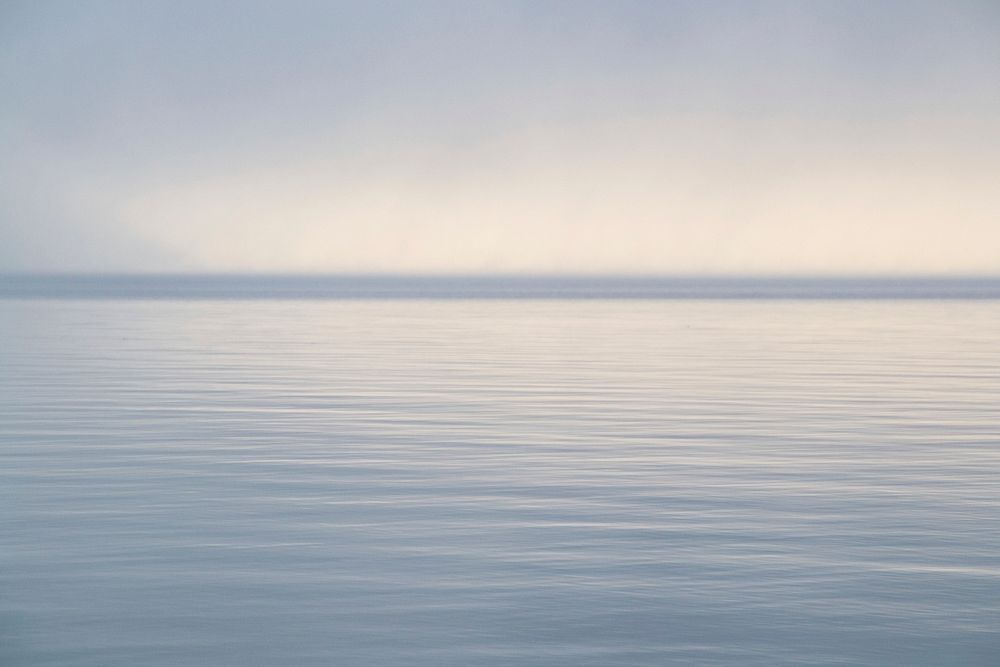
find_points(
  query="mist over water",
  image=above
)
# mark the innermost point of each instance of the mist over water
(432, 402)
(273, 481)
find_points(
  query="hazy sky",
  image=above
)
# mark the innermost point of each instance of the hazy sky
(650, 137)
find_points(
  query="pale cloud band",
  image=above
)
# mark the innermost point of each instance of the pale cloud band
(685, 137)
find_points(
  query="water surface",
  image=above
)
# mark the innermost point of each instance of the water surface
(499, 482)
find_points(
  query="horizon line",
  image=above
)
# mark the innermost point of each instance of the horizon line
(232, 286)
(504, 275)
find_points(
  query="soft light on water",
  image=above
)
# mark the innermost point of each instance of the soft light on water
(527, 482)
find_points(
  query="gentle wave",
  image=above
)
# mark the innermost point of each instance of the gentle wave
(496, 482)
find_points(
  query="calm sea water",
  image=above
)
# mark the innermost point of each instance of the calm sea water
(499, 482)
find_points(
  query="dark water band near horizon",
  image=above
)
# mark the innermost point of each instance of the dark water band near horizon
(420, 286)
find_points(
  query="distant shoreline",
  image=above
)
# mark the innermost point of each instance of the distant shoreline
(341, 286)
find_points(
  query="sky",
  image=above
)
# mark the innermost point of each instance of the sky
(660, 137)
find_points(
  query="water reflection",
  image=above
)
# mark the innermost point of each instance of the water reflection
(500, 482)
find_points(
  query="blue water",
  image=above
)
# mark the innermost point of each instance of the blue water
(207, 481)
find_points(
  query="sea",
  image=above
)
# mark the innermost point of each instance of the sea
(448, 471)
